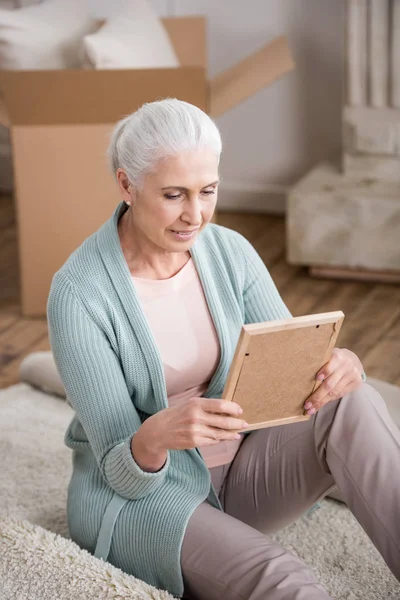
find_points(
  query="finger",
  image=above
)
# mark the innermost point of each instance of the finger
(226, 422)
(331, 366)
(329, 390)
(215, 405)
(341, 359)
(328, 385)
(351, 382)
(350, 387)
(221, 434)
(348, 370)
(343, 387)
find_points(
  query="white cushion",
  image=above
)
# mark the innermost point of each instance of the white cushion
(45, 36)
(39, 370)
(134, 38)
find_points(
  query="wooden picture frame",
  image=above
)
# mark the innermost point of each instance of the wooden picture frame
(275, 365)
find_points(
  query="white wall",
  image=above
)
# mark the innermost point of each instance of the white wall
(275, 137)
(106, 8)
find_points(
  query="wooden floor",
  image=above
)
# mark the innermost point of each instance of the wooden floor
(371, 327)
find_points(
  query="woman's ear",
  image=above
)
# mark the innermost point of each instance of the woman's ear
(125, 186)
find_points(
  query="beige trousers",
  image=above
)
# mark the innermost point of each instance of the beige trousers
(276, 476)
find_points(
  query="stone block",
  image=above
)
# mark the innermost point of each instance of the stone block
(343, 221)
(369, 130)
(371, 166)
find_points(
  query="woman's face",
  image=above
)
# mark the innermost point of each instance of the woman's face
(177, 200)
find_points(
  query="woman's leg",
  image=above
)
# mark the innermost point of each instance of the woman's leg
(222, 557)
(280, 472)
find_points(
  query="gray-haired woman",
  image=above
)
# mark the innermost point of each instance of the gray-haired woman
(144, 318)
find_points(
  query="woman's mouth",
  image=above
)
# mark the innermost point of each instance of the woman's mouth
(183, 235)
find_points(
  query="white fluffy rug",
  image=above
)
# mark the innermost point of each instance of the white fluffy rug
(39, 565)
(36, 564)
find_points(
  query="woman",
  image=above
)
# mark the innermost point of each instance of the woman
(144, 319)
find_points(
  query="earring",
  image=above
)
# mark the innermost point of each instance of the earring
(128, 203)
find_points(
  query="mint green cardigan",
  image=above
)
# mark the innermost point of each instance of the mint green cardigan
(113, 375)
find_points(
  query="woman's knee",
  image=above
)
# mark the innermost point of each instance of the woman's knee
(365, 400)
(363, 403)
(339, 420)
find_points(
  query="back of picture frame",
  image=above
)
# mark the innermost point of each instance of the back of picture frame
(275, 365)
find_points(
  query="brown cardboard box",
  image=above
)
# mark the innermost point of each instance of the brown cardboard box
(60, 122)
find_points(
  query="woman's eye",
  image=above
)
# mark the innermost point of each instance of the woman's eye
(176, 197)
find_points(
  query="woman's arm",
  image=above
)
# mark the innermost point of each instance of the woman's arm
(96, 388)
(261, 298)
(143, 455)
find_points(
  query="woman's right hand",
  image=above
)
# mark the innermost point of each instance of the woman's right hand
(197, 422)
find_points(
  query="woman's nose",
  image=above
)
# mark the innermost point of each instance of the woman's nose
(193, 212)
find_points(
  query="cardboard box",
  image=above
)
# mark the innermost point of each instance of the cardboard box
(60, 122)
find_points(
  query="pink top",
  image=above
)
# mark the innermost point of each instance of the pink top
(179, 318)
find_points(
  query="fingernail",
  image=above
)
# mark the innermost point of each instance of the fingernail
(244, 424)
(240, 411)
(308, 405)
(311, 411)
(321, 376)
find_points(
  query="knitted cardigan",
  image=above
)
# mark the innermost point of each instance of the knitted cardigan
(112, 371)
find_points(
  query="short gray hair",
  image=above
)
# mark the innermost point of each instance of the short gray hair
(159, 130)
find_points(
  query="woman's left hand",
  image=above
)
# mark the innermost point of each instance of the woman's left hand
(340, 375)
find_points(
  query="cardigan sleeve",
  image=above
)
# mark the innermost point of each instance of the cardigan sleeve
(262, 300)
(96, 388)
